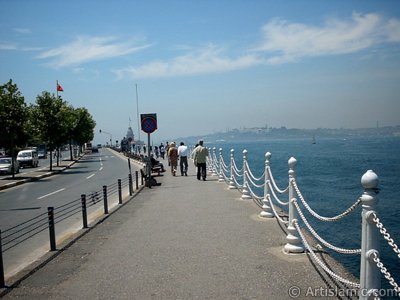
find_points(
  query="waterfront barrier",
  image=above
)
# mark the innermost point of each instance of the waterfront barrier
(16, 235)
(290, 213)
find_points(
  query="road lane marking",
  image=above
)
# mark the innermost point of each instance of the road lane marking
(90, 176)
(101, 165)
(44, 196)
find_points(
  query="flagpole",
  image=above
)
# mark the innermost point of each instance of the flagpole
(137, 111)
(58, 154)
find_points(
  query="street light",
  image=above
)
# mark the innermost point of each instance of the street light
(102, 131)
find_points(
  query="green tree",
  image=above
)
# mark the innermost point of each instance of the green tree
(84, 128)
(70, 120)
(31, 129)
(48, 115)
(50, 121)
(13, 116)
(78, 126)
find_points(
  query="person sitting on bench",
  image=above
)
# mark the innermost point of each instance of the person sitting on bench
(156, 165)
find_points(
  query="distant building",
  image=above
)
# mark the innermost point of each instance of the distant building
(130, 134)
(256, 130)
(131, 137)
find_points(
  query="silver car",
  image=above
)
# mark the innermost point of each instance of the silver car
(6, 166)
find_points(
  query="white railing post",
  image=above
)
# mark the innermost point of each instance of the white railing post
(266, 208)
(370, 277)
(245, 190)
(215, 162)
(210, 160)
(221, 169)
(294, 243)
(232, 184)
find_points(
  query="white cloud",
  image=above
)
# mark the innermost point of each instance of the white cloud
(23, 30)
(85, 49)
(12, 46)
(203, 61)
(31, 49)
(78, 70)
(7, 46)
(287, 42)
(393, 30)
(283, 42)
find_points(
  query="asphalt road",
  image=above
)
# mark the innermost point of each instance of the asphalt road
(24, 202)
(44, 164)
(84, 177)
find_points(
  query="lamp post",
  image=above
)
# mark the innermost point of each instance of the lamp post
(102, 131)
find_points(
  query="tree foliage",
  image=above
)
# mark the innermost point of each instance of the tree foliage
(13, 116)
(49, 121)
(48, 118)
(84, 127)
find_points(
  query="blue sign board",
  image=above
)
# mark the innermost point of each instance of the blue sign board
(149, 122)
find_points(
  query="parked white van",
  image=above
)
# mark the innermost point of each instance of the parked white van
(28, 158)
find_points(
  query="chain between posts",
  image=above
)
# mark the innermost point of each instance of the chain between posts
(385, 234)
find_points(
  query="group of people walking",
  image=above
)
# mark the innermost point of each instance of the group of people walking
(181, 154)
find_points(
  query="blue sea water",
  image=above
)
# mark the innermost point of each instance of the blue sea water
(329, 174)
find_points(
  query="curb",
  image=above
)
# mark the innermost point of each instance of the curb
(48, 174)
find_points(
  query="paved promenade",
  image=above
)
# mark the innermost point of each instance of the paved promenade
(184, 239)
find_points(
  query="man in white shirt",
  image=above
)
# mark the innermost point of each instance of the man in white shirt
(183, 153)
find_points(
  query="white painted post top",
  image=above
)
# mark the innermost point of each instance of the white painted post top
(370, 180)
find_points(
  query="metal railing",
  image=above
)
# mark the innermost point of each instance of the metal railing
(371, 266)
(29, 229)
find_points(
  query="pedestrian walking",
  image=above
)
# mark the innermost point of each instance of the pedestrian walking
(162, 150)
(200, 160)
(166, 151)
(156, 151)
(173, 157)
(183, 152)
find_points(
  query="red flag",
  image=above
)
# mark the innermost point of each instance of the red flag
(59, 88)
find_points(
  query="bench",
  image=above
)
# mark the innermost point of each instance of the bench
(156, 169)
(149, 182)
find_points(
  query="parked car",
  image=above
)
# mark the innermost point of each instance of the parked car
(42, 153)
(6, 166)
(28, 158)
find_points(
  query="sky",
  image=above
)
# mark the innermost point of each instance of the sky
(208, 66)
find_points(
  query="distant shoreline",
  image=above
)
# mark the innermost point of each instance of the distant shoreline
(265, 134)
